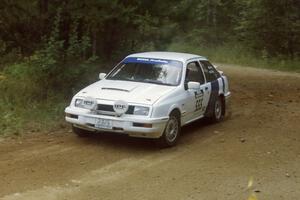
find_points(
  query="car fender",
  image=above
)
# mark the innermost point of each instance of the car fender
(221, 83)
(165, 110)
(166, 104)
(173, 107)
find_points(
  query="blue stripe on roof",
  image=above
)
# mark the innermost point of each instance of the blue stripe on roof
(151, 61)
(146, 60)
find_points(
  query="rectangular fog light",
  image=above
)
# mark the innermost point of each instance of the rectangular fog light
(144, 125)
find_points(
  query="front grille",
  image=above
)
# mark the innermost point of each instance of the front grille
(107, 108)
(130, 110)
(110, 108)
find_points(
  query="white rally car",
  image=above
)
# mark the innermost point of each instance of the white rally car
(151, 95)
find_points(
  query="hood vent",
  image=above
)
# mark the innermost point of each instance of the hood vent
(117, 89)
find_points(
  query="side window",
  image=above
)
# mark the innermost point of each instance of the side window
(194, 73)
(210, 72)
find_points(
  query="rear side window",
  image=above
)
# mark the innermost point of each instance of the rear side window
(194, 73)
(210, 72)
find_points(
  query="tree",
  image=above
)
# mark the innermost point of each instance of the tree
(271, 26)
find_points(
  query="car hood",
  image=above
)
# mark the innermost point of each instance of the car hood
(131, 92)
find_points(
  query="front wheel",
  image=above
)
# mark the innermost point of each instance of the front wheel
(171, 132)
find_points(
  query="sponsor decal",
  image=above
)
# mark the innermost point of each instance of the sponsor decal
(120, 107)
(90, 103)
(199, 100)
(152, 61)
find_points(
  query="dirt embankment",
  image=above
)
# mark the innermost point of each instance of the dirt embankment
(260, 138)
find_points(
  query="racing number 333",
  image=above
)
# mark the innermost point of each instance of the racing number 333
(199, 100)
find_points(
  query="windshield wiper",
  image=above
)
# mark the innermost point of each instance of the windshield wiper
(140, 80)
(155, 82)
(119, 79)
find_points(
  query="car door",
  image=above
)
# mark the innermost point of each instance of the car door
(195, 98)
(213, 82)
(206, 88)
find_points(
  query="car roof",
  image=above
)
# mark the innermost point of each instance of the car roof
(183, 57)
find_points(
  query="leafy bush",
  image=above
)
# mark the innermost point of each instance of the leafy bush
(36, 90)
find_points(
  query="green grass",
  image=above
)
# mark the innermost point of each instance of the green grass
(26, 106)
(17, 119)
(231, 54)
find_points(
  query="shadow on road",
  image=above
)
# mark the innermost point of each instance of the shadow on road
(123, 141)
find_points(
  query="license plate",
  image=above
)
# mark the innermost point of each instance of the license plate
(103, 123)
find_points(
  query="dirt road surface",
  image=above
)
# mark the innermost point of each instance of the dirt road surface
(257, 145)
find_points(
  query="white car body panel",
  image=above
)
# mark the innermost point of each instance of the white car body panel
(161, 100)
(132, 92)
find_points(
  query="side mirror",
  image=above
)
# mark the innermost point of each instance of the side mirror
(102, 76)
(193, 85)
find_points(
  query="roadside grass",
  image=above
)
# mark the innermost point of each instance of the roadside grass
(238, 55)
(26, 106)
(19, 118)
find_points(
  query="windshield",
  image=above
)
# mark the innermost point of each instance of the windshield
(147, 70)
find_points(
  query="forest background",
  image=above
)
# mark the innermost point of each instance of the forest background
(49, 49)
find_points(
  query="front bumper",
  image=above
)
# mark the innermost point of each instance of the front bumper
(130, 125)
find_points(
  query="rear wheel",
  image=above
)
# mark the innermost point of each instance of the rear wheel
(218, 112)
(81, 132)
(171, 132)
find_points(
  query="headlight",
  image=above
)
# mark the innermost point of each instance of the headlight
(79, 103)
(87, 103)
(140, 110)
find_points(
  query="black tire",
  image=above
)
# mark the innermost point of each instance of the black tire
(171, 132)
(218, 110)
(81, 132)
